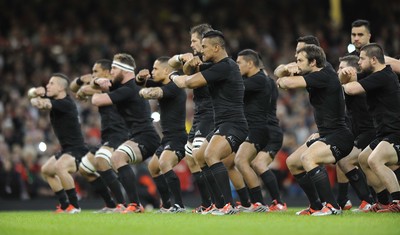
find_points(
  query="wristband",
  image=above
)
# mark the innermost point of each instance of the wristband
(179, 58)
(79, 82)
(173, 75)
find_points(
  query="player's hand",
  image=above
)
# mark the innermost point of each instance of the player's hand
(195, 62)
(143, 75)
(86, 78)
(103, 83)
(348, 74)
(185, 57)
(292, 69)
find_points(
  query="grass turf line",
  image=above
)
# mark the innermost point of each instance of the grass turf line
(87, 223)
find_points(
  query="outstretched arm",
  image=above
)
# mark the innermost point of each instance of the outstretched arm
(41, 103)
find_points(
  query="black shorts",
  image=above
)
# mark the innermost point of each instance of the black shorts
(275, 141)
(341, 142)
(113, 140)
(200, 128)
(148, 143)
(391, 138)
(75, 152)
(259, 137)
(235, 133)
(364, 139)
(176, 144)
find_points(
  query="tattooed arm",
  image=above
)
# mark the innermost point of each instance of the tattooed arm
(151, 93)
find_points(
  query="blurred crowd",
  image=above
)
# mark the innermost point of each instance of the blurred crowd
(38, 38)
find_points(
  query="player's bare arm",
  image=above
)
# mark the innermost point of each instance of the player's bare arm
(41, 103)
(284, 70)
(353, 88)
(177, 61)
(80, 81)
(291, 82)
(151, 93)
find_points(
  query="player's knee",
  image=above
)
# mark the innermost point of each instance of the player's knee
(124, 150)
(86, 166)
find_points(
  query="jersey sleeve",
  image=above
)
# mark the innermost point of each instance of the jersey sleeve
(315, 80)
(170, 90)
(120, 94)
(371, 83)
(216, 72)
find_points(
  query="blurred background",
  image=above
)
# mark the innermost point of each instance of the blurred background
(38, 38)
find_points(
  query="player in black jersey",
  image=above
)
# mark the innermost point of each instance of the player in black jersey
(361, 36)
(256, 104)
(383, 97)
(266, 155)
(172, 104)
(144, 140)
(335, 140)
(64, 120)
(203, 118)
(227, 90)
(113, 133)
(361, 124)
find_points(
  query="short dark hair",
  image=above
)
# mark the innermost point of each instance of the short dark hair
(351, 60)
(374, 50)
(200, 29)
(216, 34)
(316, 53)
(163, 59)
(309, 40)
(63, 77)
(249, 54)
(105, 64)
(359, 23)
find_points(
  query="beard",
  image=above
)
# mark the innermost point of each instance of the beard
(118, 78)
(367, 70)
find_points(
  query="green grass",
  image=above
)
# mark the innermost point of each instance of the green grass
(45, 222)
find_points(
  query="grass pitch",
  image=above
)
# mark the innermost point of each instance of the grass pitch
(87, 223)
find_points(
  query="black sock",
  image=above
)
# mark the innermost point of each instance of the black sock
(244, 197)
(383, 197)
(72, 197)
(308, 187)
(62, 198)
(343, 189)
(215, 190)
(256, 195)
(319, 177)
(269, 180)
(163, 190)
(111, 180)
(128, 180)
(200, 181)
(174, 186)
(359, 184)
(395, 195)
(222, 179)
(101, 189)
